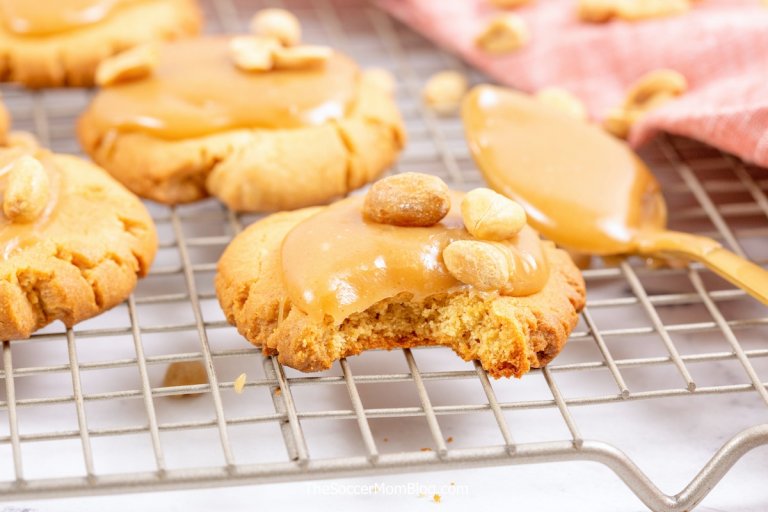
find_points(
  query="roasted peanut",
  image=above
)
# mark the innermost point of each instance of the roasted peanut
(252, 53)
(300, 57)
(503, 34)
(563, 101)
(488, 215)
(278, 24)
(655, 87)
(476, 263)
(599, 11)
(185, 373)
(649, 92)
(408, 199)
(380, 78)
(27, 190)
(632, 10)
(596, 11)
(617, 122)
(444, 90)
(133, 64)
(509, 4)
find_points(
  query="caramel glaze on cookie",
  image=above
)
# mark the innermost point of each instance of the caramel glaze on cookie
(72, 240)
(319, 284)
(199, 125)
(46, 43)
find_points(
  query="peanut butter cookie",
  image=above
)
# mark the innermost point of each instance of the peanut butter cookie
(48, 43)
(318, 284)
(73, 240)
(259, 125)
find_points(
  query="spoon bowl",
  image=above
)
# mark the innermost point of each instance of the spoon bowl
(581, 187)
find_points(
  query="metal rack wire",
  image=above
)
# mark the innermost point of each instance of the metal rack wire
(647, 335)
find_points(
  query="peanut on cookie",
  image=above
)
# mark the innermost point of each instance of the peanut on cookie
(401, 268)
(64, 43)
(280, 127)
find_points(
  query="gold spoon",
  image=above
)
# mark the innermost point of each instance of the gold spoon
(583, 188)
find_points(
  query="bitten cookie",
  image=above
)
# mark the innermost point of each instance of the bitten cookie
(409, 265)
(73, 240)
(46, 43)
(258, 125)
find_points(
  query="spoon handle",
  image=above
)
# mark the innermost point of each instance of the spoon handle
(743, 273)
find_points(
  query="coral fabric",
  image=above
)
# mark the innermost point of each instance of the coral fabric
(721, 46)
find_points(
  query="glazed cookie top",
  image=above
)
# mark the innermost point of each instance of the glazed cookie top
(410, 234)
(197, 87)
(48, 17)
(45, 201)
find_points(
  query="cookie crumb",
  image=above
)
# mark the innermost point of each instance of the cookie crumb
(278, 391)
(426, 449)
(239, 383)
(185, 373)
(449, 440)
(386, 439)
(436, 498)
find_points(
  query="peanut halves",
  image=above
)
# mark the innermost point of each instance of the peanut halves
(599, 11)
(278, 24)
(480, 264)
(503, 34)
(253, 53)
(27, 190)
(444, 90)
(649, 92)
(489, 215)
(490, 218)
(133, 64)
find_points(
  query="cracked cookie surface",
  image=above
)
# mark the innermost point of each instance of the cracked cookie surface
(507, 335)
(70, 57)
(82, 258)
(268, 161)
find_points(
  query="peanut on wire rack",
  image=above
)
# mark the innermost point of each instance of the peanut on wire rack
(648, 340)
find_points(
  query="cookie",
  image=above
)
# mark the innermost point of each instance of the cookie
(74, 241)
(298, 134)
(318, 284)
(45, 43)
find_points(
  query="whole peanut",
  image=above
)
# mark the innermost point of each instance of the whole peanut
(488, 215)
(476, 263)
(27, 190)
(408, 199)
(279, 24)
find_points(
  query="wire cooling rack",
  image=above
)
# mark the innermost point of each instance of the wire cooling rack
(649, 339)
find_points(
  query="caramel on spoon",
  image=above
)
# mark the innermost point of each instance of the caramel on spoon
(581, 187)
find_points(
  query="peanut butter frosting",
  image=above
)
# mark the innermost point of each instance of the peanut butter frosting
(336, 264)
(47, 17)
(579, 186)
(197, 90)
(14, 236)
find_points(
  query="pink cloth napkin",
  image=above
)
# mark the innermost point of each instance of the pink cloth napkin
(721, 46)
